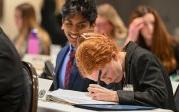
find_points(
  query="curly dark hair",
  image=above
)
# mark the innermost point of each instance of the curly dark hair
(87, 8)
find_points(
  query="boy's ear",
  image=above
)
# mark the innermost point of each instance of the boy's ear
(62, 27)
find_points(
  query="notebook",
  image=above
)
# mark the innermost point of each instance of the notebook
(73, 97)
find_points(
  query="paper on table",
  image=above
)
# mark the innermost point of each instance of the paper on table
(73, 97)
(44, 86)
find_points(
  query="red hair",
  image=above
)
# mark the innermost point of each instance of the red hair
(95, 53)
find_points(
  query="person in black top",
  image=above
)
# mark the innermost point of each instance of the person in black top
(148, 30)
(13, 85)
(143, 78)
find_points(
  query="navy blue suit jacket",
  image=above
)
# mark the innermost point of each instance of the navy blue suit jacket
(76, 82)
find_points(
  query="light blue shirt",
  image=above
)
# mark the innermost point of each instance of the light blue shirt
(63, 69)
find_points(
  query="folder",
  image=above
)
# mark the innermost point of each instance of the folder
(112, 107)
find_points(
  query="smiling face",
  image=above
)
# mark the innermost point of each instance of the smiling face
(148, 28)
(75, 25)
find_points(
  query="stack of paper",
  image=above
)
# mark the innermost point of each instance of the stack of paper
(73, 97)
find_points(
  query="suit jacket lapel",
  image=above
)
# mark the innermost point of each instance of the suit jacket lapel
(60, 60)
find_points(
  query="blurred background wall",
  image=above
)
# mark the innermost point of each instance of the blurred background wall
(168, 9)
(7, 22)
(1, 9)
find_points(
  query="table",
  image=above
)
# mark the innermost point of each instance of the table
(44, 106)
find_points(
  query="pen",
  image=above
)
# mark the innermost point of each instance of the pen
(99, 77)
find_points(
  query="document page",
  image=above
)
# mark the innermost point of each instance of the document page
(73, 97)
(44, 86)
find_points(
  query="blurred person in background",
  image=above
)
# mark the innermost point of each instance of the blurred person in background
(52, 21)
(110, 23)
(25, 19)
(14, 85)
(149, 31)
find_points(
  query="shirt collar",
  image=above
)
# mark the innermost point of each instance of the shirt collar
(72, 48)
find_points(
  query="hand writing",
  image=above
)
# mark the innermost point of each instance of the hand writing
(100, 93)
